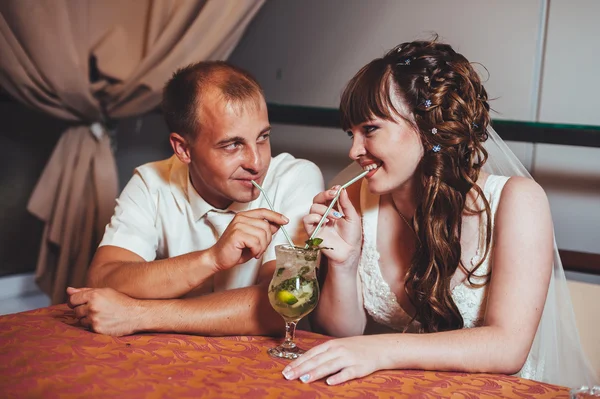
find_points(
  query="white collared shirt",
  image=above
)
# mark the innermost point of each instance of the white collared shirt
(160, 215)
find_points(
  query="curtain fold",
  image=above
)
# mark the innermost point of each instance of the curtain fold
(47, 48)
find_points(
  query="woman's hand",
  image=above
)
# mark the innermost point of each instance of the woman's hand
(342, 359)
(341, 231)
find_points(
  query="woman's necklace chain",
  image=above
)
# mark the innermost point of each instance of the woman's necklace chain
(406, 221)
(403, 218)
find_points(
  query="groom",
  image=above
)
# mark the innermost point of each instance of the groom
(190, 247)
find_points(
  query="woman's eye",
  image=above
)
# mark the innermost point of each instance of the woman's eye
(350, 135)
(369, 129)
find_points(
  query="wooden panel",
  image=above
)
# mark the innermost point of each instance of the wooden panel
(580, 261)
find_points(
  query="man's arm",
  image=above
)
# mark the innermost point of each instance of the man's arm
(246, 237)
(129, 273)
(243, 311)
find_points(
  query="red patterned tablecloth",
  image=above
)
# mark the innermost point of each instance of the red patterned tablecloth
(46, 354)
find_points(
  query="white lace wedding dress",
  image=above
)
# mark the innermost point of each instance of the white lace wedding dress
(380, 302)
(382, 305)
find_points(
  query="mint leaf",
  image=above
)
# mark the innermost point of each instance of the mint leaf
(314, 242)
(313, 245)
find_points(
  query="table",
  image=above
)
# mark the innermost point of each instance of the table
(45, 354)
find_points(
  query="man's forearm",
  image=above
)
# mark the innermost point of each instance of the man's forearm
(243, 311)
(160, 279)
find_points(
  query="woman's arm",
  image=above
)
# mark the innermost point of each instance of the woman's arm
(340, 312)
(522, 264)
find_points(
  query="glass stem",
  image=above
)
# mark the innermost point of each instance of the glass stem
(290, 332)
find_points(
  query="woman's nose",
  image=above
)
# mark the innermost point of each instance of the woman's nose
(357, 149)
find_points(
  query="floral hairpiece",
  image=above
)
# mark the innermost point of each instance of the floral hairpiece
(434, 130)
(437, 148)
(427, 103)
(426, 79)
(406, 62)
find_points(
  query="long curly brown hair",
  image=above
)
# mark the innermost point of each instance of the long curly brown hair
(438, 89)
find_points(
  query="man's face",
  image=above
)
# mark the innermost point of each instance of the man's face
(231, 149)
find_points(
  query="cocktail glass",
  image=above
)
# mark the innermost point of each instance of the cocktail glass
(293, 292)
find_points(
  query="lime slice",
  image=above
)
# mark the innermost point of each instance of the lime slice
(286, 297)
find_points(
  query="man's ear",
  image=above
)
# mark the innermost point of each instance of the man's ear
(181, 147)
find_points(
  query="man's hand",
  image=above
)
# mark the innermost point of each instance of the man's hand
(247, 236)
(105, 311)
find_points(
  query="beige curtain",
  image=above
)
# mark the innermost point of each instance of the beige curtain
(46, 47)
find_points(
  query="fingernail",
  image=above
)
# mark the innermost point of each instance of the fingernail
(286, 219)
(337, 214)
(305, 378)
(287, 374)
(332, 192)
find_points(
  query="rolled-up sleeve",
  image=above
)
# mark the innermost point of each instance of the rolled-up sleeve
(133, 225)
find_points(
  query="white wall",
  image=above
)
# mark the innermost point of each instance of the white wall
(570, 75)
(303, 52)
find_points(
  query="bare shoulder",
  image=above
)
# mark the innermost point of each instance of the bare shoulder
(524, 206)
(521, 191)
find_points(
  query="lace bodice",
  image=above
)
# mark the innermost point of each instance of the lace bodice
(381, 303)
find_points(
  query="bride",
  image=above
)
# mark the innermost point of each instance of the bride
(438, 263)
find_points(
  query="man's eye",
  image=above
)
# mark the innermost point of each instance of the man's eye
(232, 146)
(264, 137)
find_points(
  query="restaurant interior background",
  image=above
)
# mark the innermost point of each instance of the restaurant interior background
(542, 57)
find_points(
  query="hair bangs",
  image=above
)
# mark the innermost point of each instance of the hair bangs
(368, 95)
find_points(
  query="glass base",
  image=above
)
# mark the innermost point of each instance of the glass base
(284, 352)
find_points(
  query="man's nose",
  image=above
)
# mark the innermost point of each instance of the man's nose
(252, 160)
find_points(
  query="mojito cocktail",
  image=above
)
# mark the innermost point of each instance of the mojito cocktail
(293, 292)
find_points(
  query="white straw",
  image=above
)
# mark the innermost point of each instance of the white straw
(273, 209)
(363, 174)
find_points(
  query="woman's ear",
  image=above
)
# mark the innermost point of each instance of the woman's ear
(181, 147)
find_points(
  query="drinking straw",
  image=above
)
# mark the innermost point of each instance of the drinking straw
(314, 234)
(271, 206)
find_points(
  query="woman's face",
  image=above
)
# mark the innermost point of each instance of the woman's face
(392, 151)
